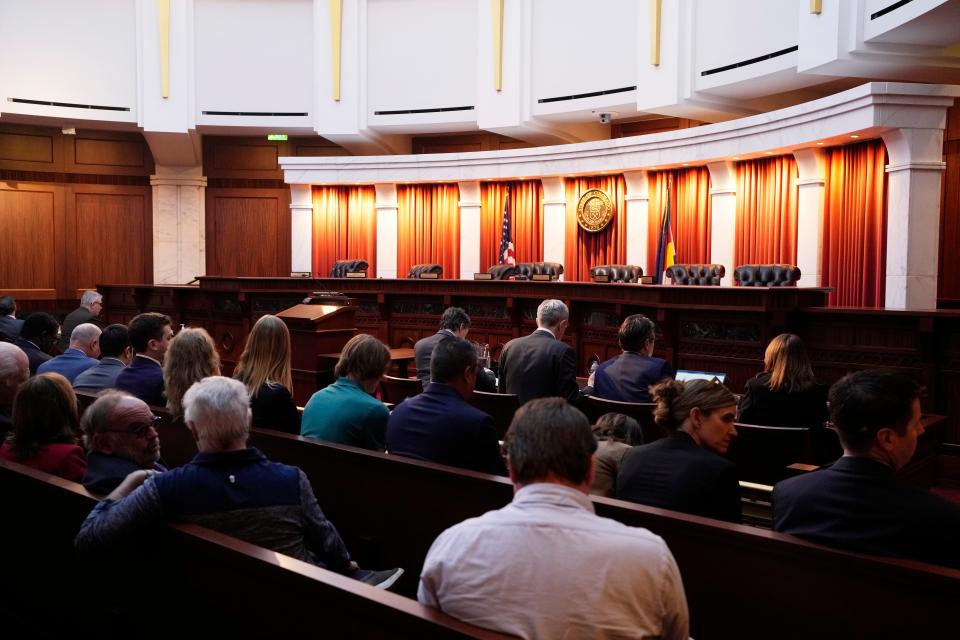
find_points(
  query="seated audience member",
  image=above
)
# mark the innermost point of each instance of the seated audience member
(628, 376)
(91, 304)
(616, 433)
(345, 411)
(858, 503)
(45, 428)
(190, 358)
(120, 437)
(9, 324)
(786, 393)
(14, 371)
(38, 336)
(686, 471)
(264, 368)
(82, 354)
(150, 335)
(454, 323)
(115, 354)
(227, 487)
(439, 425)
(541, 364)
(545, 566)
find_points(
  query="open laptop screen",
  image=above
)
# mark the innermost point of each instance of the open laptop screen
(684, 375)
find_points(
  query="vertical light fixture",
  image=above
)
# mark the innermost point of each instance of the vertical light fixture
(163, 20)
(336, 12)
(496, 9)
(816, 6)
(655, 7)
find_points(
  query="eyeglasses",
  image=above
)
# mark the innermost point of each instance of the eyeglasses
(140, 429)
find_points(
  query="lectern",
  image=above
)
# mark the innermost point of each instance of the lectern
(323, 325)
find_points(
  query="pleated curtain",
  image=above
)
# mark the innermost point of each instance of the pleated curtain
(584, 249)
(344, 226)
(526, 219)
(428, 227)
(766, 213)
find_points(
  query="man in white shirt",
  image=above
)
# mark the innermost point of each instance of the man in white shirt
(546, 566)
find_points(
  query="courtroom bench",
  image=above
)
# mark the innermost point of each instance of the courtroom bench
(178, 580)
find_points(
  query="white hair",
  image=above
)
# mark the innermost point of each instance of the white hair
(11, 359)
(550, 313)
(84, 333)
(90, 297)
(218, 408)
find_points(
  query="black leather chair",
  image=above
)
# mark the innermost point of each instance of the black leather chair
(342, 267)
(502, 271)
(696, 274)
(766, 275)
(417, 269)
(617, 272)
(526, 270)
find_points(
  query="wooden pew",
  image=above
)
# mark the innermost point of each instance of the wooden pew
(740, 581)
(178, 577)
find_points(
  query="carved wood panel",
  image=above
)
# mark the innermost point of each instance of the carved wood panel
(29, 216)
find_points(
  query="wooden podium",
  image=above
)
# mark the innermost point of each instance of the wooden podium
(322, 327)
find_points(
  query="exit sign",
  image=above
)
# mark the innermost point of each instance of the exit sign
(277, 136)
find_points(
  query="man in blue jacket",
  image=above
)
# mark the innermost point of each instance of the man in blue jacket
(81, 355)
(150, 335)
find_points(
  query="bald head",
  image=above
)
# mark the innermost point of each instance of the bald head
(14, 370)
(86, 338)
(117, 424)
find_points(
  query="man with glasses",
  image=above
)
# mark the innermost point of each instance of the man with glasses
(120, 438)
(91, 304)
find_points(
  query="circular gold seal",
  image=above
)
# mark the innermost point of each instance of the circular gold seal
(594, 210)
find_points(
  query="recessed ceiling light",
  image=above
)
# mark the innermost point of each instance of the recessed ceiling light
(820, 143)
(854, 136)
(768, 153)
(603, 172)
(686, 164)
(736, 157)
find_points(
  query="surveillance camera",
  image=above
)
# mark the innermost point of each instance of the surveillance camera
(605, 118)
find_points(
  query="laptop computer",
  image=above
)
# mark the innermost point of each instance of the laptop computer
(683, 375)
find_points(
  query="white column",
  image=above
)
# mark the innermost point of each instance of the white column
(387, 231)
(723, 206)
(554, 220)
(469, 229)
(179, 231)
(913, 217)
(301, 230)
(811, 163)
(638, 212)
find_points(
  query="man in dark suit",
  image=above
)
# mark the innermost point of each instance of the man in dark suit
(82, 354)
(150, 335)
(628, 376)
(454, 323)
(541, 365)
(115, 354)
(858, 503)
(91, 304)
(9, 324)
(38, 336)
(438, 424)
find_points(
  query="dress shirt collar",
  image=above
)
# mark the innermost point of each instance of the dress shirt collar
(157, 362)
(547, 331)
(554, 494)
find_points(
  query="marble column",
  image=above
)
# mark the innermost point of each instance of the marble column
(387, 231)
(179, 225)
(723, 212)
(812, 166)
(469, 229)
(554, 220)
(638, 212)
(301, 230)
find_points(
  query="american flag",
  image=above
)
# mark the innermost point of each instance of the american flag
(507, 255)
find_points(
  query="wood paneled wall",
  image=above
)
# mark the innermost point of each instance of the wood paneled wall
(75, 211)
(949, 281)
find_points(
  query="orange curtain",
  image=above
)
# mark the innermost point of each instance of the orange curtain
(428, 227)
(344, 227)
(526, 220)
(854, 240)
(584, 249)
(766, 230)
(690, 203)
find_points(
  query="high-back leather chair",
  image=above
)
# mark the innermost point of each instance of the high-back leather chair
(417, 269)
(342, 267)
(502, 271)
(696, 274)
(526, 270)
(617, 272)
(766, 275)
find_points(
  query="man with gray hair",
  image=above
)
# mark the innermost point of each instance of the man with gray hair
(82, 354)
(228, 487)
(14, 371)
(91, 304)
(541, 364)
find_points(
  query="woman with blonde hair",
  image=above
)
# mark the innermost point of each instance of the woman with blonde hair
(785, 394)
(264, 369)
(190, 358)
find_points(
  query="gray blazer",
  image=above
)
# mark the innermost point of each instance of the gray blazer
(98, 377)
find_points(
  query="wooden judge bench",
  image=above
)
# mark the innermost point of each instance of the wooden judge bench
(722, 329)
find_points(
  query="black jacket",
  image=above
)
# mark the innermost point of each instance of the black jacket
(538, 366)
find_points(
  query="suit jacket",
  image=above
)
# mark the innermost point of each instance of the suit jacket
(676, 473)
(761, 405)
(628, 376)
(439, 426)
(143, 378)
(423, 352)
(76, 317)
(102, 376)
(538, 366)
(35, 356)
(69, 364)
(11, 326)
(859, 504)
